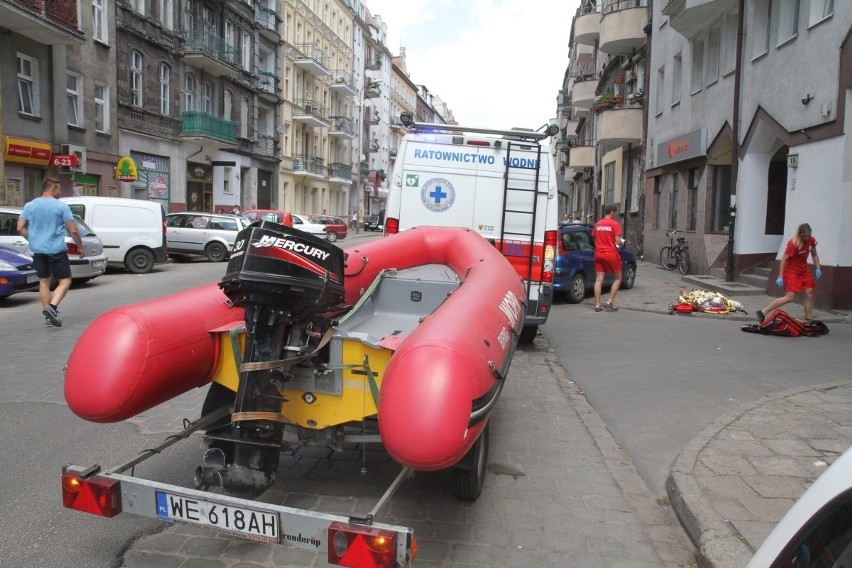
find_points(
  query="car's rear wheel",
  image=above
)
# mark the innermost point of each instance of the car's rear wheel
(139, 261)
(577, 291)
(629, 277)
(331, 236)
(216, 252)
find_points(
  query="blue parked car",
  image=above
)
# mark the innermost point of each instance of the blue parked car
(575, 264)
(16, 272)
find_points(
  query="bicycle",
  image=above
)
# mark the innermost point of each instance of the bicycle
(676, 253)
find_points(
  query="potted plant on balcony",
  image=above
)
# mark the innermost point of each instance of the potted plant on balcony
(603, 102)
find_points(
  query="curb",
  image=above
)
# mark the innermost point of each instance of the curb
(717, 543)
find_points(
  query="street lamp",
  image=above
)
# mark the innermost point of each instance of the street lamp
(361, 97)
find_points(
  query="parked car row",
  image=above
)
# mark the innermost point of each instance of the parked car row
(16, 272)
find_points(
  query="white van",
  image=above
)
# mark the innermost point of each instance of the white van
(500, 183)
(133, 231)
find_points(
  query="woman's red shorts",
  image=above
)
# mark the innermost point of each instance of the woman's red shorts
(798, 281)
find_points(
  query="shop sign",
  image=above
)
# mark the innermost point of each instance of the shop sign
(125, 169)
(65, 160)
(24, 151)
(685, 147)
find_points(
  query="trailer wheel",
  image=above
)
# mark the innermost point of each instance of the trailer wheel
(528, 333)
(468, 482)
(217, 397)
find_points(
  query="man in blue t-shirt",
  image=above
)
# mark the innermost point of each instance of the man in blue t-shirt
(43, 223)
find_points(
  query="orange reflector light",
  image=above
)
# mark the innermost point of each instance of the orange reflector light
(359, 546)
(95, 494)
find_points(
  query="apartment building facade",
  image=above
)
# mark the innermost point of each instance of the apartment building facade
(56, 99)
(742, 130)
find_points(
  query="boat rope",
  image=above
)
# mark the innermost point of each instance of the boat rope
(369, 292)
(265, 365)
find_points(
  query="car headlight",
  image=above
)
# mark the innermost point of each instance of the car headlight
(6, 266)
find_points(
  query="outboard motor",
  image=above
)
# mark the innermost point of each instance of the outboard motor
(288, 282)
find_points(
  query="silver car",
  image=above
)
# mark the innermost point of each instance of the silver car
(203, 234)
(92, 265)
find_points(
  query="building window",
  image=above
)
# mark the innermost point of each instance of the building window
(673, 203)
(658, 199)
(138, 6)
(692, 200)
(609, 197)
(28, 85)
(101, 107)
(207, 98)
(714, 47)
(762, 11)
(228, 105)
(730, 46)
(788, 20)
(189, 93)
(244, 117)
(246, 52)
(722, 199)
(697, 65)
(167, 11)
(661, 81)
(165, 89)
(74, 99)
(820, 10)
(136, 67)
(100, 19)
(677, 70)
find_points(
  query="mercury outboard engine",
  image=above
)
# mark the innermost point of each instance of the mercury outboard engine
(289, 282)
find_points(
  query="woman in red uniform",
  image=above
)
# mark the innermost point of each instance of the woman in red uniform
(794, 274)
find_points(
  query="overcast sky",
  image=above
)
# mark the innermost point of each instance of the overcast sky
(496, 63)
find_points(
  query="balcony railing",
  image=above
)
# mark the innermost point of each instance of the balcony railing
(309, 164)
(64, 13)
(203, 124)
(267, 19)
(261, 145)
(342, 125)
(139, 120)
(312, 59)
(343, 82)
(267, 82)
(374, 64)
(340, 171)
(211, 45)
(138, 24)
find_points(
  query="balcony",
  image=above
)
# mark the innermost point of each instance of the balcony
(204, 125)
(268, 22)
(211, 53)
(583, 92)
(267, 85)
(342, 127)
(137, 24)
(139, 120)
(310, 113)
(393, 151)
(582, 155)
(343, 84)
(340, 173)
(689, 17)
(374, 117)
(619, 125)
(48, 23)
(312, 59)
(587, 26)
(397, 124)
(565, 142)
(261, 145)
(373, 146)
(563, 99)
(372, 91)
(309, 166)
(622, 27)
(375, 63)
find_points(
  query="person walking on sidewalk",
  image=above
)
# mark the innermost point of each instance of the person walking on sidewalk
(607, 234)
(794, 275)
(43, 222)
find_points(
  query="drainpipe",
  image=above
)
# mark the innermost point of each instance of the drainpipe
(735, 146)
(627, 200)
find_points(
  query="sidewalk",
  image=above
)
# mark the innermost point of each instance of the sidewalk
(732, 484)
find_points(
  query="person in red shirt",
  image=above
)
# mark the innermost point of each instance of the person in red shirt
(608, 239)
(794, 275)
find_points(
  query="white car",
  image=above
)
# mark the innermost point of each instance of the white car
(304, 223)
(82, 269)
(817, 530)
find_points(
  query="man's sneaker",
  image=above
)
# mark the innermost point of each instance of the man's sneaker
(760, 316)
(53, 316)
(48, 323)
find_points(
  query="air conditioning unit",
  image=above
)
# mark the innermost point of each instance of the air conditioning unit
(79, 152)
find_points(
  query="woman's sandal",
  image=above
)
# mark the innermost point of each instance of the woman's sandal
(611, 307)
(598, 308)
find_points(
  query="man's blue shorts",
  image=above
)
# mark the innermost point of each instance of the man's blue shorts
(56, 265)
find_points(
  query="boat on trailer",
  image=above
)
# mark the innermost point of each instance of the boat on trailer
(405, 341)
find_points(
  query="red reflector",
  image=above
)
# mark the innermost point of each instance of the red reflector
(478, 143)
(391, 226)
(358, 546)
(96, 495)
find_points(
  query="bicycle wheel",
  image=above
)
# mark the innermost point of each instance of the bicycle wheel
(683, 262)
(667, 258)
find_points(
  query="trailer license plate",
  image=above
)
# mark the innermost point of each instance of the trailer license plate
(250, 523)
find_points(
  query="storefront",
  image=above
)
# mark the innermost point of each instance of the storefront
(26, 162)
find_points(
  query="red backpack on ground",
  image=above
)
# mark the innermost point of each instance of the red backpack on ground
(781, 323)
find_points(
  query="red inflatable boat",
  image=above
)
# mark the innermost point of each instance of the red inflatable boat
(436, 391)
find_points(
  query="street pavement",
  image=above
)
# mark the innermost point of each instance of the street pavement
(560, 490)
(732, 484)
